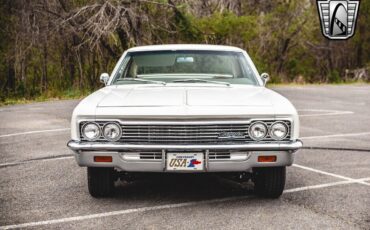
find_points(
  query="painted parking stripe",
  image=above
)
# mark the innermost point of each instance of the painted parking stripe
(325, 185)
(331, 174)
(163, 207)
(336, 135)
(35, 160)
(34, 132)
(322, 112)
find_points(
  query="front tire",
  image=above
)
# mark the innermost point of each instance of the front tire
(270, 181)
(100, 181)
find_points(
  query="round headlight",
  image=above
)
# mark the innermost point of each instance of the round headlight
(91, 131)
(258, 131)
(278, 130)
(112, 132)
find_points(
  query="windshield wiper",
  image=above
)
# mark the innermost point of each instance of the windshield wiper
(142, 80)
(222, 76)
(202, 80)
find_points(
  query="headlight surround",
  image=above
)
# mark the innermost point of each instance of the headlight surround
(91, 131)
(112, 131)
(279, 130)
(258, 131)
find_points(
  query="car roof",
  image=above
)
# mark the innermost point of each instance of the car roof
(185, 47)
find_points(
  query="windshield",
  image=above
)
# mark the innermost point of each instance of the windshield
(185, 66)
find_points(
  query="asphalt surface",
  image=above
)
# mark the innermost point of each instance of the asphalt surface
(41, 187)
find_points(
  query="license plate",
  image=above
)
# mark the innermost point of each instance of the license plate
(185, 162)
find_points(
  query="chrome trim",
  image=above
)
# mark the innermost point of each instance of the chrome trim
(130, 156)
(86, 158)
(191, 134)
(164, 159)
(187, 121)
(101, 146)
(206, 165)
(239, 156)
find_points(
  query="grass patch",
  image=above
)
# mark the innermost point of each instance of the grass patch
(49, 96)
(359, 83)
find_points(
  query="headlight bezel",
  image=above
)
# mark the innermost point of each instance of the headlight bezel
(271, 130)
(84, 135)
(119, 135)
(257, 123)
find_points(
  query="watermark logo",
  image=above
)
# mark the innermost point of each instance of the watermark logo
(338, 18)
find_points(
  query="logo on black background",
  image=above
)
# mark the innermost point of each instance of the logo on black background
(338, 18)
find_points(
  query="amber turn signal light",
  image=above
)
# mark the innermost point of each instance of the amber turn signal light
(102, 158)
(266, 158)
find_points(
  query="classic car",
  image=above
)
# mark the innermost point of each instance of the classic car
(185, 109)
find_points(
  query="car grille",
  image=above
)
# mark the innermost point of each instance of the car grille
(157, 155)
(219, 155)
(154, 155)
(187, 134)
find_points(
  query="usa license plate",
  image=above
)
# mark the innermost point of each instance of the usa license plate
(185, 162)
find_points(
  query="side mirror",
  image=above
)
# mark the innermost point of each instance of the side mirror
(265, 78)
(104, 78)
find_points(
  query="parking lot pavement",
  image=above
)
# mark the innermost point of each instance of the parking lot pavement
(41, 187)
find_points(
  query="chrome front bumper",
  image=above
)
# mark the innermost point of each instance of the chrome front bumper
(99, 146)
(85, 152)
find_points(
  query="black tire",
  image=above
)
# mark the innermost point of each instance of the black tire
(270, 181)
(100, 181)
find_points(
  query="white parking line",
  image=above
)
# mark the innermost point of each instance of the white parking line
(360, 181)
(323, 112)
(336, 135)
(34, 132)
(34, 160)
(325, 185)
(163, 207)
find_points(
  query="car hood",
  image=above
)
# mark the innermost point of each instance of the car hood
(145, 96)
(184, 102)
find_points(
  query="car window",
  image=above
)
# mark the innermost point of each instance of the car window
(167, 66)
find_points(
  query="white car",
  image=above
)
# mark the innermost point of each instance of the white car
(185, 109)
